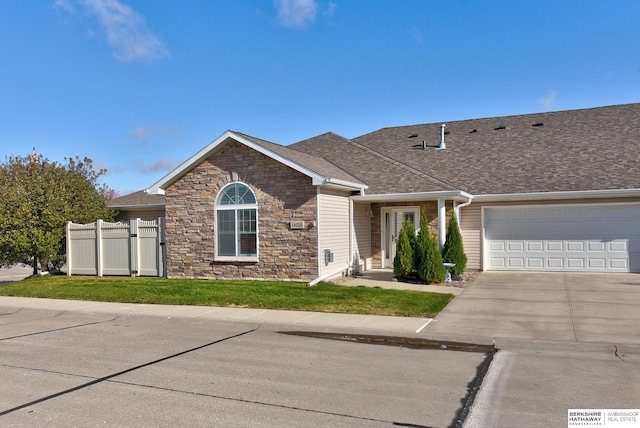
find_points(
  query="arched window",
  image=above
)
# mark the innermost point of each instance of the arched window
(236, 222)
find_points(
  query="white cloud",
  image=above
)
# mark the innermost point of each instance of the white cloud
(417, 35)
(158, 166)
(142, 133)
(297, 13)
(549, 100)
(126, 30)
(330, 9)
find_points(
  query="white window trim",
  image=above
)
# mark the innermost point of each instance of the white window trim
(239, 259)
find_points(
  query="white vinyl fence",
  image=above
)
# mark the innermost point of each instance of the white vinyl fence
(131, 247)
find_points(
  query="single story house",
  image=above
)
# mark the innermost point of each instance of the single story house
(557, 191)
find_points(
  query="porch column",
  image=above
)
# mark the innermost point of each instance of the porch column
(442, 222)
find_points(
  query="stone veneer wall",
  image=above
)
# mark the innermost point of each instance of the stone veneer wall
(376, 223)
(283, 195)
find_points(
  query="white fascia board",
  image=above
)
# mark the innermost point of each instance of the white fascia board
(342, 184)
(455, 195)
(581, 194)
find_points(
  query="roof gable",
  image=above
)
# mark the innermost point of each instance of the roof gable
(319, 170)
(382, 173)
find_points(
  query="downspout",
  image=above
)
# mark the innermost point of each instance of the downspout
(328, 275)
(351, 233)
(456, 209)
(442, 222)
(319, 249)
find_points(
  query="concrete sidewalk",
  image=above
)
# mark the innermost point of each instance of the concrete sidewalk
(405, 325)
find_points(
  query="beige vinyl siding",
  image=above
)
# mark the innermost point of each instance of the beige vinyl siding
(471, 229)
(362, 236)
(333, 229)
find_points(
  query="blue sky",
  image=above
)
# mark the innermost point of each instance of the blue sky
(139, 86)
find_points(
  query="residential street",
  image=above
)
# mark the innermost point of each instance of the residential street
(564, 341)
(66, 369)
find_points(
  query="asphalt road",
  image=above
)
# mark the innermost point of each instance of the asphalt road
(564, 341)
(70, 369)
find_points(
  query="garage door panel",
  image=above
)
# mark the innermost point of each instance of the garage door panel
(515, 246)
(575, 246)
(576, 263)
(618, 245)
(497, 262)
(515, 262)
(595, 247)
(569, 238)
(619, 264)
(555, 263)
(597, 263)
(554, 246)
(533, 246)
(535, 263)
(497, 246)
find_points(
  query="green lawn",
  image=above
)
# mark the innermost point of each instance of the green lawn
(323, 297)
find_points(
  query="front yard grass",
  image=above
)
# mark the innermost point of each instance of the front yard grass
(323, 297)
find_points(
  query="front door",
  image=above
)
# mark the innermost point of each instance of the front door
(392, 219)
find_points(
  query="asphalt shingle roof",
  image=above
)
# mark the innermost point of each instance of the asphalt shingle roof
(575, 150)
(309, 161)
(383, 174)
(139, 198)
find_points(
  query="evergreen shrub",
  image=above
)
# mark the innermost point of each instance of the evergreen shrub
(453, 250)
(430, 268)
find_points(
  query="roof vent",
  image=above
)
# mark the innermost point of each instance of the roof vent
(413, 135)
(538, 124)
(442, 146)
(500, 128)
(473, 131)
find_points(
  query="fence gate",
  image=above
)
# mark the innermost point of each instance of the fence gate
(134, 247)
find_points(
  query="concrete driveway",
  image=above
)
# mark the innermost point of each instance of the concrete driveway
(598, 308)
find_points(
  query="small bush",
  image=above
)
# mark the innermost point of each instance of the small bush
(404, 259)
(453, 250)
(430, 268)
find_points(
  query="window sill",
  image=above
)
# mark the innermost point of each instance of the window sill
(236, 259)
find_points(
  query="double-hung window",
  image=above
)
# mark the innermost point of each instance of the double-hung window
(236, 223)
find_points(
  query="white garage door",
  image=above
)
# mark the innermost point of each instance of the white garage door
(585, 238)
